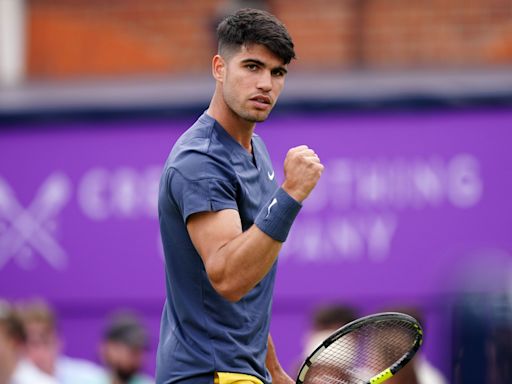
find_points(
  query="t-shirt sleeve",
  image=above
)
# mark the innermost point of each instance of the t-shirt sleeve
(203, 195)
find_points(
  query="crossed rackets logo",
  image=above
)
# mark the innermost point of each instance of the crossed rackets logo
(29, 230)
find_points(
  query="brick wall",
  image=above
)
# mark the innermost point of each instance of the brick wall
(97, 37)
(436, 33)
(324, 31)
(93, 37)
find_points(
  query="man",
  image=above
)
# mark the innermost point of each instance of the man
(15, 368)
(223, 218)
(44, 347)
(124, 343)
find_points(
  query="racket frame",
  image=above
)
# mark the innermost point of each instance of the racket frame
(356, 324)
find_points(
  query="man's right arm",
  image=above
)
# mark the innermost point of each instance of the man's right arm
(237, 260)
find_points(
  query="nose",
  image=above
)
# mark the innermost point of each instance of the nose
(265, 81)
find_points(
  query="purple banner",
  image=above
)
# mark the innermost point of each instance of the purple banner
(404, 200)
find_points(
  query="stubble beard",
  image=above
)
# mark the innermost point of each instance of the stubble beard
(253, 118)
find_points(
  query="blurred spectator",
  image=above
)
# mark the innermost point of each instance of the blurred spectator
(124, 343)
(481, 318)
(326, 320)
(482, 338)
(419, 370)
(14, 367)
(44, 347)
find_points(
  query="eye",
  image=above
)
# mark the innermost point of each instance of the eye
(278, 73)
(251, 67)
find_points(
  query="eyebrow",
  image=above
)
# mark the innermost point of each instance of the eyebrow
(262, 64)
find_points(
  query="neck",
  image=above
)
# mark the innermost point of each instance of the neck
(238, 128)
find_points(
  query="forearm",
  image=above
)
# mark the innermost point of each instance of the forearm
(237, 260)
(276, 370)
(271, 360)
(242, 263)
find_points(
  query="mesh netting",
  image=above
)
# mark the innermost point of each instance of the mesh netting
(363, 353)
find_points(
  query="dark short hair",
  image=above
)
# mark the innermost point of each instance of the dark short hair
(253, 26)
(125, 328)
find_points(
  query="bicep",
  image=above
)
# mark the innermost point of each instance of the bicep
(210, 231)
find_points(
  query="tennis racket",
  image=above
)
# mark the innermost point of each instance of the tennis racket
(369, 350)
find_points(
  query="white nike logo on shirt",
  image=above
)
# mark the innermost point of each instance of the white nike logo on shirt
(274, 202)
(271, 175)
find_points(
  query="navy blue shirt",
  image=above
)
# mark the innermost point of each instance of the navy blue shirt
(201, 332)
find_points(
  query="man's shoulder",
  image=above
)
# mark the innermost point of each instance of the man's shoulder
(197, 154)
(198, 136)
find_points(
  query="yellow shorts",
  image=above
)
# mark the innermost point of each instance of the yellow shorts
(235, 378)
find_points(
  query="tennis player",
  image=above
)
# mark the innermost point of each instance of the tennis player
(223, 217)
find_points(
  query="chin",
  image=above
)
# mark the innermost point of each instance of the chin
(251, 115)
(257, 117)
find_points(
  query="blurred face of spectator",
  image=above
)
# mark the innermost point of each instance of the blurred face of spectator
(43, 346)
(123, 360)
(12, 338)
(326, 320)
(252, 80)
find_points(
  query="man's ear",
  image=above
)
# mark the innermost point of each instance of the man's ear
(218, 68)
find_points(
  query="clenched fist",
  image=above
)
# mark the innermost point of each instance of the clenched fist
(302, 170)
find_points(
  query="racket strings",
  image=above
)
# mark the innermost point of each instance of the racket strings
(361, 354)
